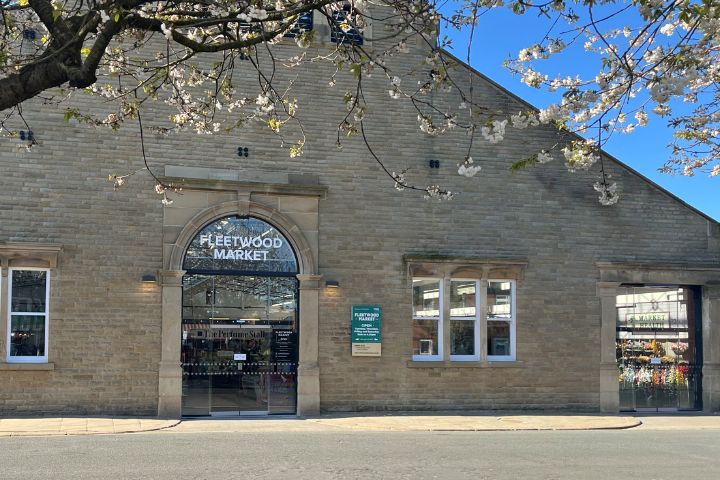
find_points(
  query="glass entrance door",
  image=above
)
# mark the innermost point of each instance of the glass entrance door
(239, 345)
(657, 347)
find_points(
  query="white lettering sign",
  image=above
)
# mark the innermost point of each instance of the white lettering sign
(237, 247)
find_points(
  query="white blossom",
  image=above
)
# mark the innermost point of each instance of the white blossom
(521, 121)
(167, 31)
(400, 181)
(435, 192)
(579, 157)
(394, 93)
(544, 157)
(550, 114)
(496, 132)
(642, 118)
(532, 78)
(608, 193)
(556, 46)
(426, 125)
(662, 110)
(467, 168)
(303, 40)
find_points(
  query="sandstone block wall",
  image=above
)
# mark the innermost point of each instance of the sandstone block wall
(105, 324)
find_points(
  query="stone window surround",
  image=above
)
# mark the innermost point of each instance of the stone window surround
(22, 255)
(613, 275)
(454, 267)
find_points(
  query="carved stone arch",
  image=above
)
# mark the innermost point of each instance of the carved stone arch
(307, 264)
(170, 371)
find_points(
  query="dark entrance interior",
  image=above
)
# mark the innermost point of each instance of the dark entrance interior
(659, 348)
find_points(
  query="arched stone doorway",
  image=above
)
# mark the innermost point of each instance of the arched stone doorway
(239, 320)
(288, 270)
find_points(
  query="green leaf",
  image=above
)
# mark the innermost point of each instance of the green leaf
(518, 8)
(524, 164)
(117, 16)
(57, 12)
(356, 69)
(297, 149)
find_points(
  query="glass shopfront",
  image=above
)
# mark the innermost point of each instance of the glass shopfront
(658, 345)
(239, 321)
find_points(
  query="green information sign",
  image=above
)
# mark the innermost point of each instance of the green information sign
(366, 330)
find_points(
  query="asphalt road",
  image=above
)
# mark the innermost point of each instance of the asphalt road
(577, 455)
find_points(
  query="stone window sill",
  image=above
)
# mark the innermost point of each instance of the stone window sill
(470, 364)
(27, 366)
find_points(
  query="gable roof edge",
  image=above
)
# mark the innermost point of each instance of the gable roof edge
(505, 91)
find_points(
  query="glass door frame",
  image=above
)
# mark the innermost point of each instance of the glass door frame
(238, 273)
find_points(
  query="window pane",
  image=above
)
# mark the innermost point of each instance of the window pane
(426, 298)
(498, 338)
(462, 337)
(425, 337)
(499, 299)
(27, 336)
(342, 29)
(28, 291)
(462, 298)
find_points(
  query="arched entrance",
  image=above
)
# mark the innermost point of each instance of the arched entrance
(240, 320)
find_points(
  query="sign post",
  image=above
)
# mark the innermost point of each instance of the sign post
(366, 330)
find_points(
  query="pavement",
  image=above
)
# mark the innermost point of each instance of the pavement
(395, 422)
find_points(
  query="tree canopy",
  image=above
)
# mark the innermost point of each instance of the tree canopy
(656, 60)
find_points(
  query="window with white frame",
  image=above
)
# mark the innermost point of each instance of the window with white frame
(427, 318)
(463, 322)
(28, 315)
(501, 320)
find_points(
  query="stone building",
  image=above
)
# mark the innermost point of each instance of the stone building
(284, 285)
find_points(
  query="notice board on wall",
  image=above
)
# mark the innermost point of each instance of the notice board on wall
(366, 330)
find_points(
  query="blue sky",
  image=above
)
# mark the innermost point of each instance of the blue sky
(502, 33)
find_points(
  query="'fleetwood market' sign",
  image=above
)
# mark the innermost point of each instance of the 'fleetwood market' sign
(232, 247)
(366, 330)
(240, 244)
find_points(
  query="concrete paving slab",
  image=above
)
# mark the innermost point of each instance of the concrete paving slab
(408, 423)
(14, 427)
(395, 422)
(483, 423)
